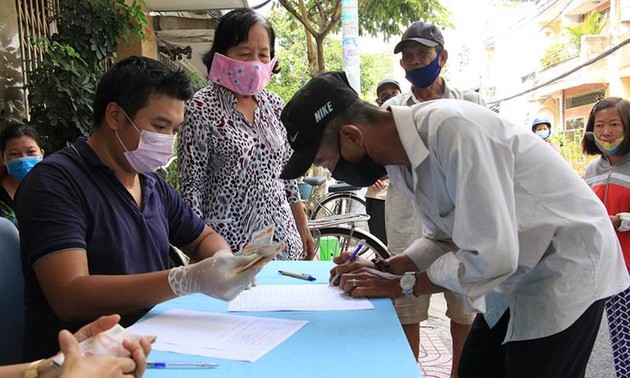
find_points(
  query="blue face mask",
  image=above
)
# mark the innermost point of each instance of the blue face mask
(543, 133)
(425, 76)
(18, 168)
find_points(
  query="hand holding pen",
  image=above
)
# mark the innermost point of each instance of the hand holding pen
(334, 281)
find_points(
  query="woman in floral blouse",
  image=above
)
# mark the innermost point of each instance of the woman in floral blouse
(233, 146)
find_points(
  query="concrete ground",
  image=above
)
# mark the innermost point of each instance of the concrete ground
(435, 341)
(436, 347)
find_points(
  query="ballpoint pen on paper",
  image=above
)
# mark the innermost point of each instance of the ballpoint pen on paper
(180, 365)
(353, 256)
(302, 276)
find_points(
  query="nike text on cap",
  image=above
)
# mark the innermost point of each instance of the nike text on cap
(421, 32)
(306, 115)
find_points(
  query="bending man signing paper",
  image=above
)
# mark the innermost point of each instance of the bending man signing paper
(509, 225)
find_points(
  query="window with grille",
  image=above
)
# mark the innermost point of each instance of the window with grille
(574, 129)
(33, 25)
(585, 99)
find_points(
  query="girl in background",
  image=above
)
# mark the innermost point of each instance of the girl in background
(607, 134)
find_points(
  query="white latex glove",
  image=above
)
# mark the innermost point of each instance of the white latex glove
(216, 276)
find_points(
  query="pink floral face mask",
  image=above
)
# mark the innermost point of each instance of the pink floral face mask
(243, 77)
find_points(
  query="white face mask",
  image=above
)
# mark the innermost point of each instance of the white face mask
(154, 150)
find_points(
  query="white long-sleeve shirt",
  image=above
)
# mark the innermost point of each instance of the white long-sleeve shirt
(402, 224)
(525, 228)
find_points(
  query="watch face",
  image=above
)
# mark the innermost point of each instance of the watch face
(407, 282)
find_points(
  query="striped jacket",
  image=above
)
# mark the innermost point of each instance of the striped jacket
(611, 183)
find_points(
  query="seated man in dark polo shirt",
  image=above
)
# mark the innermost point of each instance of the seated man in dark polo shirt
(96, 221)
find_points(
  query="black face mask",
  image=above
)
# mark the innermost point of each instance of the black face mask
(362, 174)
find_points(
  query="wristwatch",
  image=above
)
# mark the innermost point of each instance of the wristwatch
(407, 282)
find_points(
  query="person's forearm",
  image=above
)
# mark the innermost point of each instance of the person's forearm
(44, 370)
(206, 245)
(400, 264)
(13, 371)
(297, 208)
(88, 297)
(425, 286)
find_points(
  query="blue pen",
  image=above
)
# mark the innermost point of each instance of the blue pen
(302, 276)
(180, 365)
(353, 256)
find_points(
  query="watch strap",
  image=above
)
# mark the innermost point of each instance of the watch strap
(382, 265)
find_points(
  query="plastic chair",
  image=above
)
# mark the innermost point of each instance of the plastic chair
(11, 294)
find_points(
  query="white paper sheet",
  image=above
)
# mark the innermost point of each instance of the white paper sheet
(320, 297)
(217, 335)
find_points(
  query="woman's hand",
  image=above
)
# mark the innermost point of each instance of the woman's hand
(616, 220)
(301, 222)
(137, 350)
(75, 365)
(308, 244)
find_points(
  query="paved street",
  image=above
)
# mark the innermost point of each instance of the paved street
(435, 346)
(435, 341)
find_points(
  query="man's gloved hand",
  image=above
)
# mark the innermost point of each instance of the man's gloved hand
(216, 276)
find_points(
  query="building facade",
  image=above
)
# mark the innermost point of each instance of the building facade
(557, 60)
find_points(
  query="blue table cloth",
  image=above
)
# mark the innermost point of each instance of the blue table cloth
(363, 343)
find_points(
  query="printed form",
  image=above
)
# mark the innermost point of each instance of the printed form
(320, 297)
(210, 334)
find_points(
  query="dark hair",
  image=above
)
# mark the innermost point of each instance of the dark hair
(623, 107)
(18, 130)
(233, 29)
(132, 81)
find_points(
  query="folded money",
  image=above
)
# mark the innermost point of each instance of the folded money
(108, 343)
(261, 245)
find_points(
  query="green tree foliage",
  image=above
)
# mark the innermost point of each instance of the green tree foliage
(571, 150)
(61, 90)
(291, 53)
(319, 18)
(570, 41)
(591, 25)
(62, 86)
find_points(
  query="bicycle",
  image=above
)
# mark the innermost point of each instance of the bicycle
(342, 229)
(340, 214)
(340, 199)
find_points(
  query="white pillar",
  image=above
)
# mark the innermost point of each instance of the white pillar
(350, 35)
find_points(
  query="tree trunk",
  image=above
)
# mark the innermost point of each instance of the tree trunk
(321, 64)
(311, 52)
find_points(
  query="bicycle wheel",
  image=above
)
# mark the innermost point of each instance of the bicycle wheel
(348, 239)
(341, 203)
